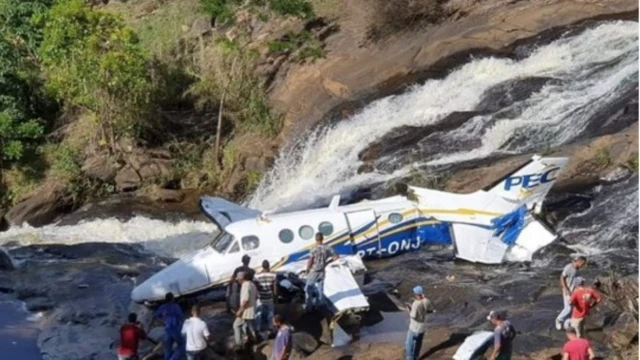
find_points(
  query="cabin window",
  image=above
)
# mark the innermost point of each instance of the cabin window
(326, 228)
(286, 236)
(250, 242)
(306, 232)
(222, 242)
(235, 248)
(395, 218)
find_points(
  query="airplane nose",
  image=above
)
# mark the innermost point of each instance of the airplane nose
(180, 278)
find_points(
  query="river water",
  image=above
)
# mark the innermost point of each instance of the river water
(18, 332)
(549, 94)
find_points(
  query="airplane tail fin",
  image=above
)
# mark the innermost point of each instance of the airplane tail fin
(531, 182)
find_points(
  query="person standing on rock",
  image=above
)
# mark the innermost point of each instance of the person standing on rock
(503, 335)
(320, 256)
(233, 289)
(569, 273)
(582, 300)
(267, 293)
(196, 333)
(245, 316)
(282, 345)
(576, 348)
(420, 307)
(130, 335)
(171, 314)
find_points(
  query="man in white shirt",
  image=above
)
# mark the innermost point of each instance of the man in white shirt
(246, 314)
(197, 334)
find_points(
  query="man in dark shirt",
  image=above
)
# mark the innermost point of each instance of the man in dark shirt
(233, 288)
(130, 335)
(503, 336)
(320, 256)
(171, 314)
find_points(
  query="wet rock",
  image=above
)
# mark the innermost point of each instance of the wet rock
(128, 179)
(366, 168)
(5, 261)
(505, 94)
(618, 174)
(405, 138)
(625, 333)
(165, 195)
(41, 208)
(304, 342)
(39, 304)
(101, 167)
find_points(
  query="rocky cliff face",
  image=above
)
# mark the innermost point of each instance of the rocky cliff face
(355, 72)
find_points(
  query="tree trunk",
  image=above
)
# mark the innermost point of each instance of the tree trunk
(216, 149)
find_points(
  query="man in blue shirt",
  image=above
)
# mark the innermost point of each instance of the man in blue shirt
(282, 346)
(171, 314)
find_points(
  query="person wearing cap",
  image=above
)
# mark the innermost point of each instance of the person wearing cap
(233, 288)
(567, 283)
(576, 348)
(503, 335)
(582, 300)
(418, 311)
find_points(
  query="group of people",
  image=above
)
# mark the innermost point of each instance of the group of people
(578, 300)
(252, 296)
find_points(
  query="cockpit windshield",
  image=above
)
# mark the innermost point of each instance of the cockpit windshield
(222, 241)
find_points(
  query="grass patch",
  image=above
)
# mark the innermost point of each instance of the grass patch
(195, 165)
(253, 178)
(328, 9)
(434, 182)
(18, 183)
(159, 24)
(602, 158)
(632, 163)
(302, 47)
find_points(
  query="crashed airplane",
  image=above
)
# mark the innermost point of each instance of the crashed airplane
(487, 226)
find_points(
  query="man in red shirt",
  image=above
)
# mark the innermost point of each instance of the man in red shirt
(576, 348)
(130, 335)
(582, 299)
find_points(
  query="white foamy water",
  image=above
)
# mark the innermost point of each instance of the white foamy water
(590, 68)
(157, 236)
(609, 225)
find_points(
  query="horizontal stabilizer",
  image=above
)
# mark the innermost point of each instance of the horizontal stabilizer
(223, 212)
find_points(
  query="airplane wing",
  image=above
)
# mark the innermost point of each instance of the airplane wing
(341, 289)
(223, 212)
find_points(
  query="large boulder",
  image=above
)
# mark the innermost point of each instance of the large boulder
(128, 179)
(101, 167)
(42, 207)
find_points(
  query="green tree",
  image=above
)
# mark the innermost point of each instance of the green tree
(22, 103)
(92, 60)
